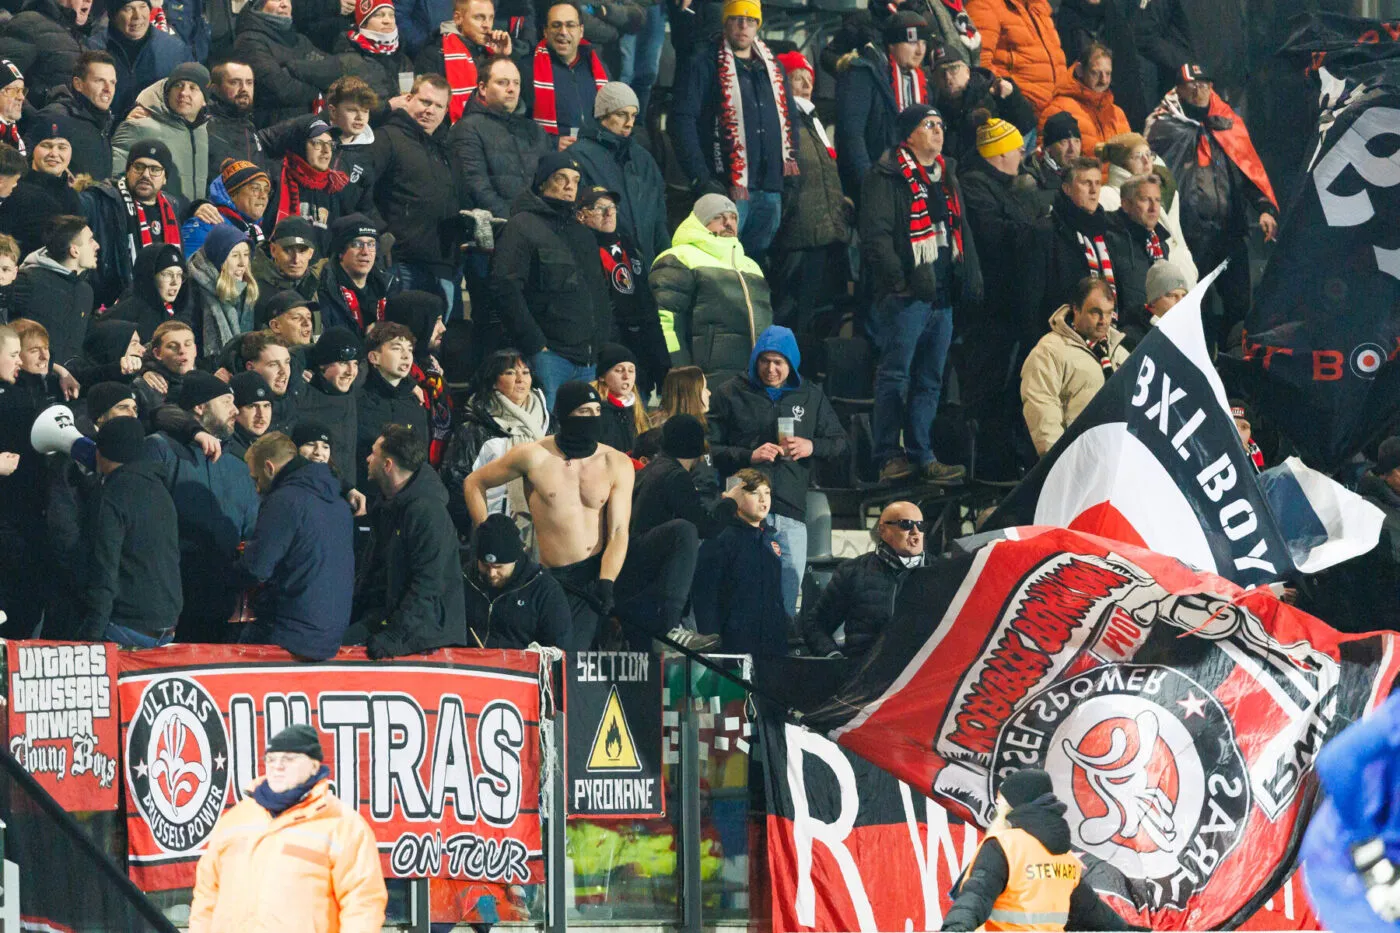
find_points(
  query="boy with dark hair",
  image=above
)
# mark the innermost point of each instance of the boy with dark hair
(388, 395)
(52, 289)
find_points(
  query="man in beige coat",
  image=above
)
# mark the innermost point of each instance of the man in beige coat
(1071, 363)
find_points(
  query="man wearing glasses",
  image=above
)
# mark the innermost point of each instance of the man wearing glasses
(861, 592)
(565, 75)
(916, 246)
(290, 855)
(353, 288)
(11, 105)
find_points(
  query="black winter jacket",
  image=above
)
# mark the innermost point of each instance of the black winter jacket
(92, 136)
(547, 281)
(380, 72)
(416, 194)
(37, 198)
(1127, 244)
(59, 299)
(865, 114)
(408, 587)
(739, 593)
(494, 155)
(984, 882)
(338, 411)
(664, 490)
(23, 494)
(1066, 263)
(531, 608)
(860, 595)
(885, 246)
(44, 41)
(106, 214)
(142, 305)
(960, 133)
(376, 404)
(233, 136)
(133, 566)
(335, 310)
(155, 58)
(302, 550)
(623, 165)
(1002, 217)
(289, 70)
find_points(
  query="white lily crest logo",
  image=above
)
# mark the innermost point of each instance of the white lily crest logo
(179, 770)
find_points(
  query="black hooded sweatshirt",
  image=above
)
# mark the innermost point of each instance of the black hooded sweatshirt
(141, 304)
(983, 883)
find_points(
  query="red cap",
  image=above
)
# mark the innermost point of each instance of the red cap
(791, 61)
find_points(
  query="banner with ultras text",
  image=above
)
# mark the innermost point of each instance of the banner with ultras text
(440, 754)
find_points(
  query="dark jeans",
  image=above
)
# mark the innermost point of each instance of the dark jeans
(913, 338)
(654, 585)
(131, 638)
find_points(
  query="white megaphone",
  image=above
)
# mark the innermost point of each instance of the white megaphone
(54, 431)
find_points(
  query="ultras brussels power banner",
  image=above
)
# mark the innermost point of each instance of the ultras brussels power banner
(440, 754)
(1178, 714)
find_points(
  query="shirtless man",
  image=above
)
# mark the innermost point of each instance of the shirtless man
(580, 494)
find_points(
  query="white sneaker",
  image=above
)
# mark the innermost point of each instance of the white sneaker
(692, 640)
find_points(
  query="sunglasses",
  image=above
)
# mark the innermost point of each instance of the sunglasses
(908, 524)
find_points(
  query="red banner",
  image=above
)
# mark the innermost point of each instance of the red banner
(440, 753)
(63, 720)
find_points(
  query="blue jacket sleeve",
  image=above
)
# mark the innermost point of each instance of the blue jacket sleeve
(272, 536)
(1359, 790)
(685, 116)
(853, 102)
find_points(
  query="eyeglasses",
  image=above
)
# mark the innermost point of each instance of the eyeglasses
(155, 171)
(932, 125)
(363, 244)
(281, 759)
(908, 524)
(565, 27)
(602, 211)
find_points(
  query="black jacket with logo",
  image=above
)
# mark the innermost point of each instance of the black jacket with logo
(531, 608)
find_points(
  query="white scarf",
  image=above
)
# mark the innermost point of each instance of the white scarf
(807, 107)
(730, 149)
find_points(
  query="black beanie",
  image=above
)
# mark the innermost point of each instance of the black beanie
(610, 354)
(122, 440)
(300, 739)
(101, 397)
(552, 162)
(571, 395)
(308, 432)
(198, 388)
(249, 388)
(498, 540)
(1059, 127)
(1021, 787)
(910, 117)
(683, 437)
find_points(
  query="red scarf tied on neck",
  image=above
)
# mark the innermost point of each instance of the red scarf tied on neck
(298, 173)
(546, 111)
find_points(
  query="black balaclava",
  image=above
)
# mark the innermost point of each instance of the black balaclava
(578, 435)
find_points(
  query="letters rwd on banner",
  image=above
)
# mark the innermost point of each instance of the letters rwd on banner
(63, 720)
(440, 755)
(612, 734)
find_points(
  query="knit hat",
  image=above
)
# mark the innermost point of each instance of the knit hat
(235, 173)
(683, 437)
(152, 149)
(748, 8)
(571, 395)
(51, 126)
(904, 26)
(1059, 127)
(300, 739)
(337, 345)
(199, 388)
(221, 241)
(498, 540)
(115, 6)
(795, 61)
(294, 231)
(122, 440)
(553, 162)
(348, 228)
(910, 117)
(249, 388)
(279, 303)
(1164, 276)
(193, 72)
(9, 73)
(364, 9)
(997, 137)
(101, 397)
(308, 432)
(1117, 149)
(610, 354)
(1388, 457)
(710, 206)
(1021, 787)
(613, 97)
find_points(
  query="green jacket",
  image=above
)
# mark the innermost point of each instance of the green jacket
(712, 299)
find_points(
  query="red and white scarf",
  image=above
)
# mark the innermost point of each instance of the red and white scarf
(930, 229)
(546, 112)
(375, 43)
(730, 148)
(457, 61)
(9, 133)
(1154, 247)
(352, 302)
(919, 84)
(149, 223)
(1099, 262)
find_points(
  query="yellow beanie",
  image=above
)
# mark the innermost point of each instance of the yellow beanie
(996, 137)
(743, 8)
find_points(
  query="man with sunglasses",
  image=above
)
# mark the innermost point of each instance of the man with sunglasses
(861, 592)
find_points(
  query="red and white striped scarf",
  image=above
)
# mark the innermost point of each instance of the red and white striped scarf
(927, 235)
(373, 46)
(461, 76)
(1100, 263)
(1154, 247)
(919, 83)
(546, 111)
(731, 154)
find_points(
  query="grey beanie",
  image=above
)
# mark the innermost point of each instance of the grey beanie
(612, 97)
(711, 206)
(1162, 278)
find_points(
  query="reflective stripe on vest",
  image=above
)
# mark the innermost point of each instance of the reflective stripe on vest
(1028, 917)
(1038, 884)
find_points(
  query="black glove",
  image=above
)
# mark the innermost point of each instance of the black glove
(602, 597)
(385, 644)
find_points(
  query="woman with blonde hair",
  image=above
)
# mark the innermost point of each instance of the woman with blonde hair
(222, 274)
(1128, 155)
(685, 391)
(624, 412)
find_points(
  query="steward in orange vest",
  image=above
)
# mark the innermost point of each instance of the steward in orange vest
(1024, 876)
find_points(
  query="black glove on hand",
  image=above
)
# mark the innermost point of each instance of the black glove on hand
(383, 645)
(603, 596)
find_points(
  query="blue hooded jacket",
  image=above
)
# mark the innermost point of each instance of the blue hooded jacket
(776, 339)
(194, 231)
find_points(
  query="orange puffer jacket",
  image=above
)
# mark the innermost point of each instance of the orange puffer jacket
(312, 869)
(1099, 118)
(1019, 42)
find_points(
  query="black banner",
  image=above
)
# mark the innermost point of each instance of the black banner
(1323, 330)
(612, 734)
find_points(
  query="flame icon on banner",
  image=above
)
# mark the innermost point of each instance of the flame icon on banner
(613, 746)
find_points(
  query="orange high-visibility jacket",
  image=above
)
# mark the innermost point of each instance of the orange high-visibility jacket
(1038, 884)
